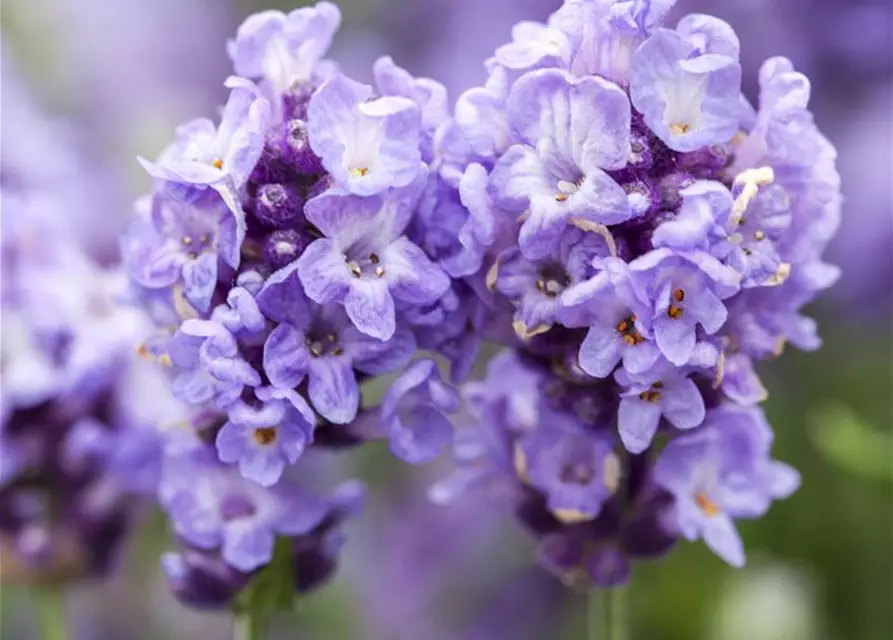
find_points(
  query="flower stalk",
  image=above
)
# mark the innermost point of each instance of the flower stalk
(607, 614)
(49, 604)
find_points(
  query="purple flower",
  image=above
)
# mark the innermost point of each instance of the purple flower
(364, 262)
(685, 290)
(481, 119)
(176, 243)
(412, 413)
(368, 146)
(223, 156)
(576, 469)
(615, 312)
(709, 35)
(263, 439)
(534, 46)
(214, 369)
(670, 394)
(201, 579)
(723, 472)
(429, 95)
(572, 131)
(241, 315)
(325, 348)
(688, 99)
(537, 288)
(283, 49)
(211, 506)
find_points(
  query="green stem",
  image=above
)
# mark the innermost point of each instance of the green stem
(249, 626)
(49, 604)
(606, 614)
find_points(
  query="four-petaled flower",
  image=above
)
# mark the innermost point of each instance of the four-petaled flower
(365, 262)
(366, 145)
(263, 439)
(722, 472)
(325, 348)
(572, 131)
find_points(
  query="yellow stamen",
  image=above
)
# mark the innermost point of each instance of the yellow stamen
(707, 506)
(359, 172)
(679, 129)
(218, 163)
(265, 435)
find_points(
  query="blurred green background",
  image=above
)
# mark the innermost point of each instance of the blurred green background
(820, 564)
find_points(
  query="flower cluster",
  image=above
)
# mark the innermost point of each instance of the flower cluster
(641, 236)
(290, 253)
(79, 452)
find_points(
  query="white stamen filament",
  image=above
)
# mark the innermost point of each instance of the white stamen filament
(752, 179)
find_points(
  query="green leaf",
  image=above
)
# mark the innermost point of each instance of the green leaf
(842, 437)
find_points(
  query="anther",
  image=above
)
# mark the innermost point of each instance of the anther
(379, 272)
(759, 234)
(679, 129)
(359, 172)
(218, 163)
(265, 435)
(679, 295)
(186, 241)
(675, 312)
(707, 506)
(374, 259)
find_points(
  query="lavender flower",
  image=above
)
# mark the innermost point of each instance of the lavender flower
(81, 450)
(705, 219)
(284, 50)
(412, 413)
(264, 439)
(723, 472)
(365, 263)
(228, 527)
(366, 145)
(224, 155)
(279, 254)
(571, 132)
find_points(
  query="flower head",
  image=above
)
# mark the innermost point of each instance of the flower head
(643, 237)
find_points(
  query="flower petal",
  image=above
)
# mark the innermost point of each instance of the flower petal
(637, 421)
(333, 389)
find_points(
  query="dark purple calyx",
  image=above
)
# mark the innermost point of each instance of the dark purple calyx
(279, 205)
(283, 247)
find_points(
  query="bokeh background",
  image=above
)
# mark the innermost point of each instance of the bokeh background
(111, 78)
